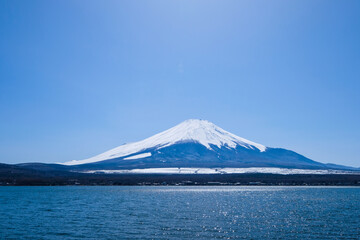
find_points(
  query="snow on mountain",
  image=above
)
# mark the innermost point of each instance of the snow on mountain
(193, 130)
(142, 155)
(268, 170)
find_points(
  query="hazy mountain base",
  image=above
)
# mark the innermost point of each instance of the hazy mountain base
(195, 155)
(181, 155)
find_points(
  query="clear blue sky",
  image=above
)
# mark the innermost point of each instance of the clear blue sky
(80, 77)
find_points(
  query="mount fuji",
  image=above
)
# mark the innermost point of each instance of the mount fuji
(196, 144)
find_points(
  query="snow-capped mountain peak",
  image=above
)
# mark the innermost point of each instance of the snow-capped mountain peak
(192, 130)
(205, 133)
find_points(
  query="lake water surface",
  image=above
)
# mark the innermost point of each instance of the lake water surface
(179, 212)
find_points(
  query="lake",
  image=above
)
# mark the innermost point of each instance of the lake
(151, 212)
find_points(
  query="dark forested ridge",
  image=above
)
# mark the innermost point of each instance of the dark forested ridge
(12, 175)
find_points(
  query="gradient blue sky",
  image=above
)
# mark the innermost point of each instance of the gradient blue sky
(80, 77)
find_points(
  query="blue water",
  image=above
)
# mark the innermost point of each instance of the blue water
(179, 213)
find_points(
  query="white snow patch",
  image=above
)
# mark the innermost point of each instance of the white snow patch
(283, 171)
(193, 130)
(142, 155)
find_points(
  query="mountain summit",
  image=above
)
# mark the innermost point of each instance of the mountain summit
(196, 143)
